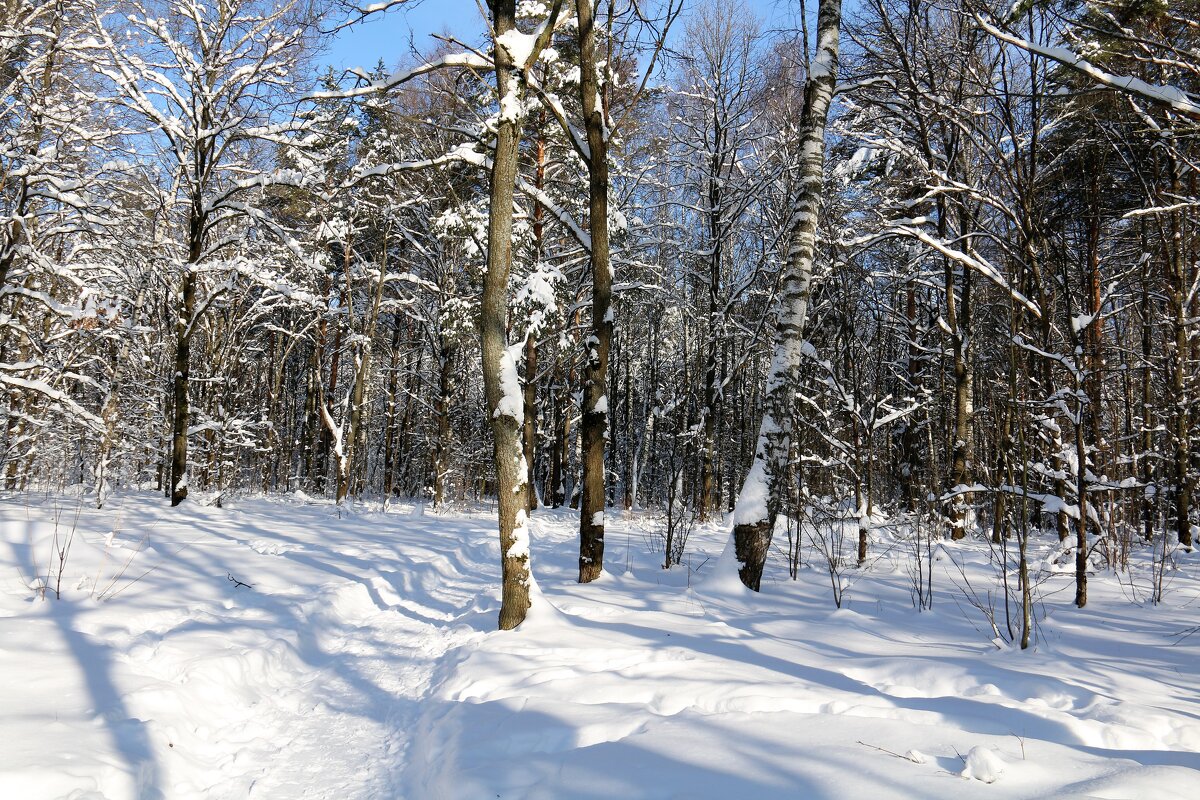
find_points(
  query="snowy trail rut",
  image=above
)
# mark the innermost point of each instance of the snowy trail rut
(304, 685)
(368, 646)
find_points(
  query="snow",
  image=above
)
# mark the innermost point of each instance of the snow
(1080, 322)
(512, 401)
(468, 60)
(540, 288)
(752, 501)
(982, 764)
(511, 108)
(362, 662)
(1171, 96)
(520, 544)
(519, 46)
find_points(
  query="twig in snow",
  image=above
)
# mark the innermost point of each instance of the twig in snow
(884, 750)
(238, 584)
(1020, 739)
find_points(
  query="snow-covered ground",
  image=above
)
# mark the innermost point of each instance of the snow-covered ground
(361, 663)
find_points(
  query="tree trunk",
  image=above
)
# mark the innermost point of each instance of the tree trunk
(711, 397)
(958, 316)
(559, 443)
(628, 464)
(1081, 548)
(501, 385)
(1179, 348)
(1146, 417)
(529, 429)
(441, 453)
(312, 417)
(389, 443)
(182, 375)
(529, 433)
(762, 492)
(910, 453)
(594, 432)
(413, 390)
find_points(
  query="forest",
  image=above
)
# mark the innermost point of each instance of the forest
(820, 308)
(941, 263)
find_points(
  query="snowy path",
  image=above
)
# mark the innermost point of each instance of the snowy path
(362, 664)
(188, 686)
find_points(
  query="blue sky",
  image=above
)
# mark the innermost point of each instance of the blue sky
(388, 36)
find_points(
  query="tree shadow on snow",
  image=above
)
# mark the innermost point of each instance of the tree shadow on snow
(130, 736)
(504, 749)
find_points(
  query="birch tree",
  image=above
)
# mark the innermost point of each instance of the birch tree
(761, 494)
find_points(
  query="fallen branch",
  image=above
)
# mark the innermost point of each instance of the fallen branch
(238, 584)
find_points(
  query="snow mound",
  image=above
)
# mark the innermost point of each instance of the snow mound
(722, 581)
(983, 764)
